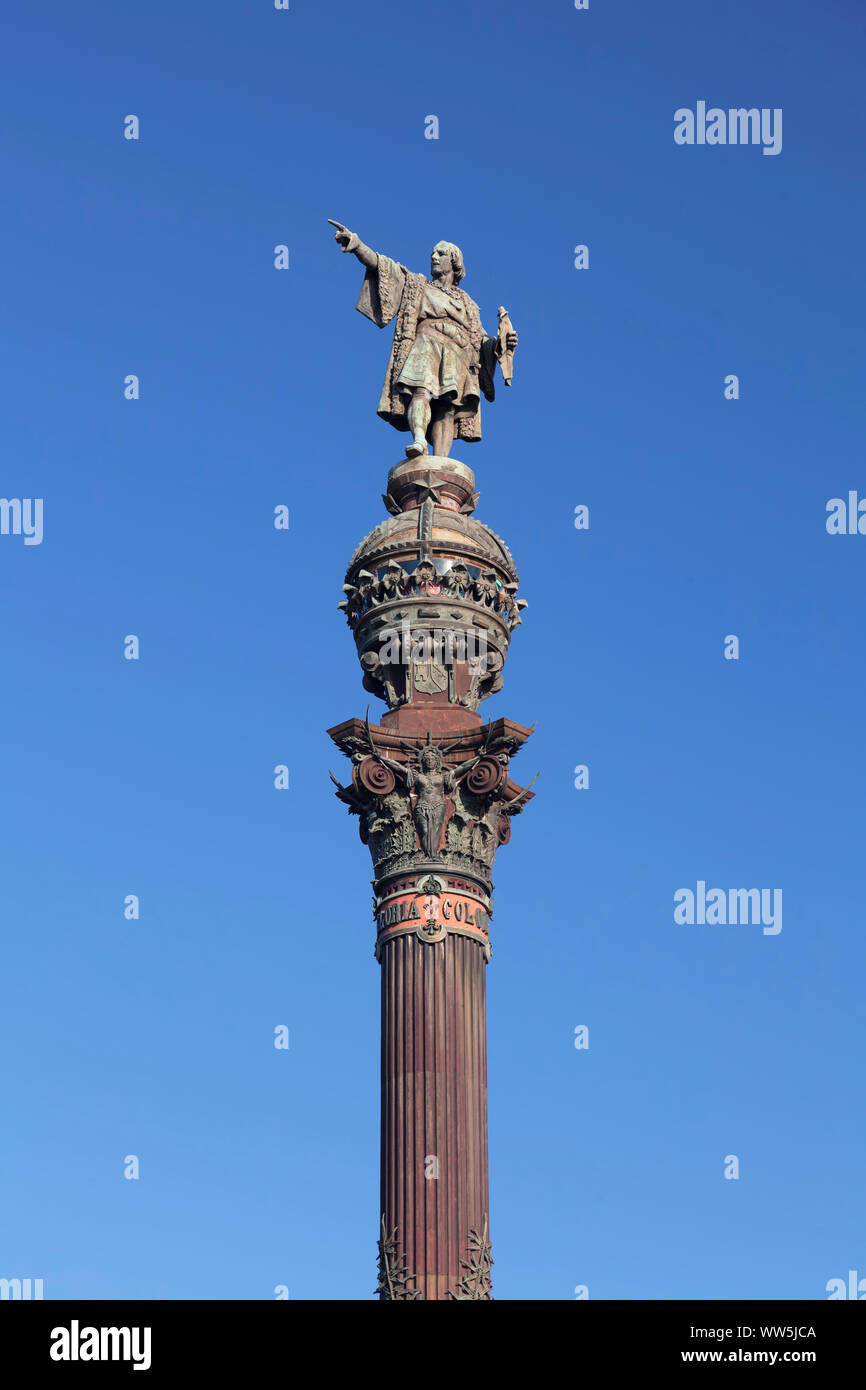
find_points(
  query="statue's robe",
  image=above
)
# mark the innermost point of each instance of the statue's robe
(391, 291)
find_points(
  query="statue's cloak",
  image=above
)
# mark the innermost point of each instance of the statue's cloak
(390, 290)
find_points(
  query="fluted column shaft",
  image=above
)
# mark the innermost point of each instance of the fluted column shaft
(434, 1186)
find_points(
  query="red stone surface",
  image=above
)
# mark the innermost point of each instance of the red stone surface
(440, 718)
(434, 1103)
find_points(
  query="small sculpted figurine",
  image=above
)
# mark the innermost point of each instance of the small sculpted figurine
(428, 782)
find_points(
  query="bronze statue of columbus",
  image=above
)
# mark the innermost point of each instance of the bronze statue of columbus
(442, 361)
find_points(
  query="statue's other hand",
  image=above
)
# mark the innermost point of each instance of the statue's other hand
(342, 235)
(511, 341)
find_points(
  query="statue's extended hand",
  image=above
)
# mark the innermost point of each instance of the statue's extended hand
(343, 237)
(511, 340)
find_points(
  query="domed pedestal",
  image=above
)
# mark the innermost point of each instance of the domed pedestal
(449, 483)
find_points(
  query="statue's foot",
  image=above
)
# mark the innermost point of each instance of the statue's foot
(418, 446)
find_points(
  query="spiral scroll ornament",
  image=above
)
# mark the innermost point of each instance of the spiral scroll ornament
(374, 777)
(485, 777)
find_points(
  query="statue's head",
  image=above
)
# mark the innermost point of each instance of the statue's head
(439, 257)
(430, 760)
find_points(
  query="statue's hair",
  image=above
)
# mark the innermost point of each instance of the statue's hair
(456, 260)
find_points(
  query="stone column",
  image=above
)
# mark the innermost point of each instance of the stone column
(431, 600)
(434, 1192)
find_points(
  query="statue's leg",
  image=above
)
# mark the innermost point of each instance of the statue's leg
(431, 821)
(418, 416)
(437, 822)
(422, 826)
(442, 429)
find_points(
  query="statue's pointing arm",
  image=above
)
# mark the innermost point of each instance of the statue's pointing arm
(350, 241)
(384, 279)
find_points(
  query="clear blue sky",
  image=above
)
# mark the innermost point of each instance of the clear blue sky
(707, 517)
